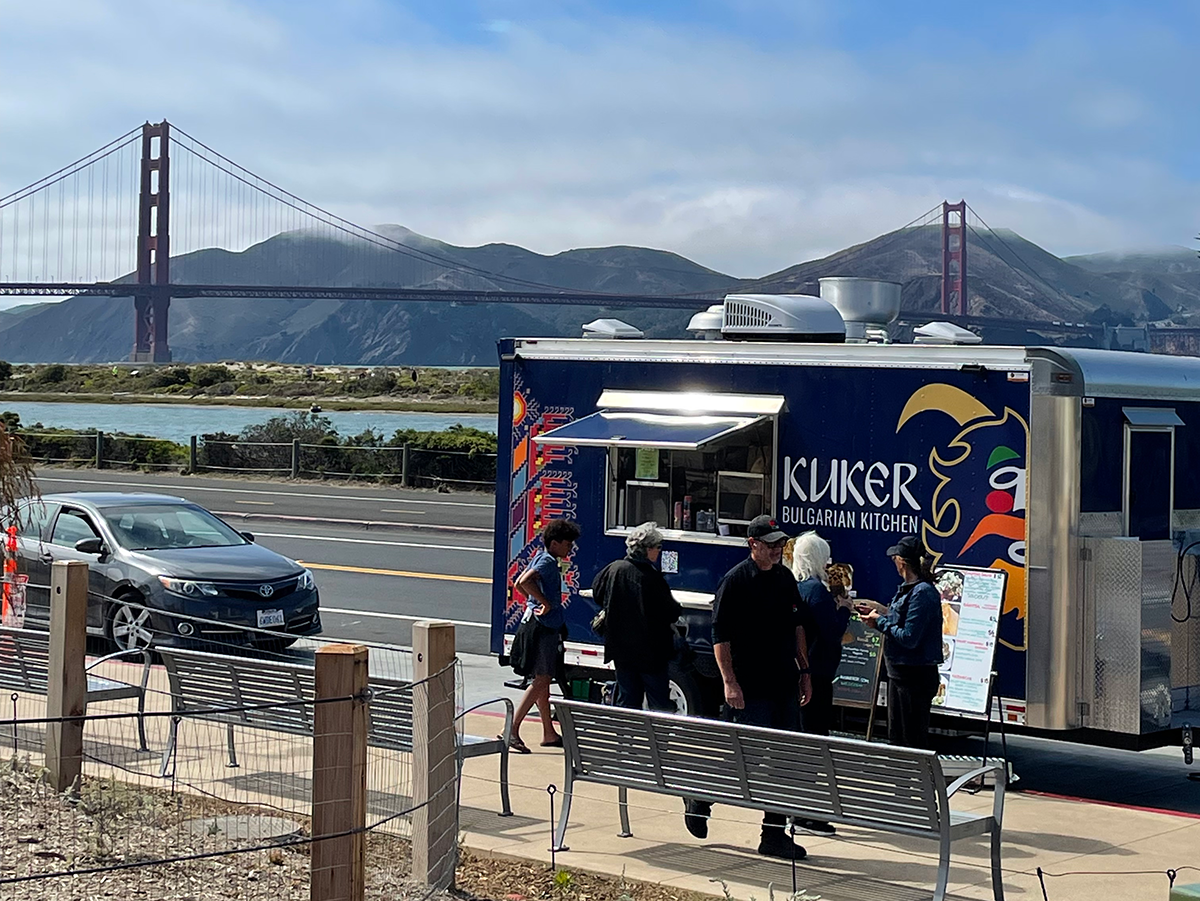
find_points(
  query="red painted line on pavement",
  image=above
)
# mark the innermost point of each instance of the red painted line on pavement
(1057, 797)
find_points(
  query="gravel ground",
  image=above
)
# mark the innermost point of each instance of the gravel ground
(114, 824)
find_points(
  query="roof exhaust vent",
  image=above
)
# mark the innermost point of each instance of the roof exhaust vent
(780, 317)
(868, 306)
(611, 328)
(707, 324)
(944, 333)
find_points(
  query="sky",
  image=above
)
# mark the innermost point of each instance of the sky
(747, 135)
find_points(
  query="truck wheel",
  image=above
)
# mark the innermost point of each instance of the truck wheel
(685, 690)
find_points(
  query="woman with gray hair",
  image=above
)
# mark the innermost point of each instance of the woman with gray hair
(638, 638)
(828, 618)
(824, 626)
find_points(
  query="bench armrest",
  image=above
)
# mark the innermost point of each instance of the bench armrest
(999, 769)
(508, 713)
(140, 652)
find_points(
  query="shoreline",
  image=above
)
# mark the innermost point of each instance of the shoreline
(377, 404)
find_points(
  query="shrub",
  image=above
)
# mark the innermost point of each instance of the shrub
(52, 374)
(208, 375)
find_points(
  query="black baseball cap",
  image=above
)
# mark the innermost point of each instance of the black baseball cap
(764, 529)
(910, 547)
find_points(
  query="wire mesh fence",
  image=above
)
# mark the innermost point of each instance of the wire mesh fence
(397, 464)
(197, 772)
(98, 449)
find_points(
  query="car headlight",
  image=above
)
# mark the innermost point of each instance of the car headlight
(306, 581)
(188, 588)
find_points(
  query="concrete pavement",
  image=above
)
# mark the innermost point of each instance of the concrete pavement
(1059, 835)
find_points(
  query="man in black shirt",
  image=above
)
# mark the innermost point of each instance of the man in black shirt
(759, 642)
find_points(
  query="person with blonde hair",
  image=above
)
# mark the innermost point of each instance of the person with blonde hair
(826, 623)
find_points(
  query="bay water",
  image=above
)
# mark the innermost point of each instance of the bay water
(178, 422)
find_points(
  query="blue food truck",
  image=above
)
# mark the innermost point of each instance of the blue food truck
(1074, 471)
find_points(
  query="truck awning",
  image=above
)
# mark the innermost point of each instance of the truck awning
(640, 428)
(1152, 416)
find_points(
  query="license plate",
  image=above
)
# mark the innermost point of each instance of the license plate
(269, 618)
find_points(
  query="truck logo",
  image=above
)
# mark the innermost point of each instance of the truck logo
(989, 450)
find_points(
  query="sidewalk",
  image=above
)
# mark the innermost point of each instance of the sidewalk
(1058, 835)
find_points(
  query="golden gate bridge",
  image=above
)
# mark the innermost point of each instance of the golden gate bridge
(157, 214)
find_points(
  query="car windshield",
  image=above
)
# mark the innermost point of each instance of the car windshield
(148, 527)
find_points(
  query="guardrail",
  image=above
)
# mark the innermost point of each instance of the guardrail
(405, 465)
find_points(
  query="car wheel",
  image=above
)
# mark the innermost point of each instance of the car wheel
(129, 624)
(686, 693)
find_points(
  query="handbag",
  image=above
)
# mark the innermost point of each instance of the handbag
(524, 646)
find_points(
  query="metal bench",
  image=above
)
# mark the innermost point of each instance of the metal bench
(838, 780)
(25, 667)
(219, 688)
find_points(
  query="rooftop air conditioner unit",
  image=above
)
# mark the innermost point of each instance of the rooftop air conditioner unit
(611, 328)
(781, 317)
(707, 324)
(944, 333)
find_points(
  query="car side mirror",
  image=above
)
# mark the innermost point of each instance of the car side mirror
(248, 536)
(90, 546)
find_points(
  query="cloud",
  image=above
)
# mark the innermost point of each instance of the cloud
(555, 130)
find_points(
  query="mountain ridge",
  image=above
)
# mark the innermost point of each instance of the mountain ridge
(1007, 277)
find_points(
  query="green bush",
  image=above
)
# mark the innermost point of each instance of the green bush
(206, 376)
(52, 374)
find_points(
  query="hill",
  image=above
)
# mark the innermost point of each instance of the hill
(1008, 277)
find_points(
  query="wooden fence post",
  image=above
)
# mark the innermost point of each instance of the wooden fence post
(67, 684)
(295, 458)
(99, 450)
(193, 456)
(435, 766)
(339, 793)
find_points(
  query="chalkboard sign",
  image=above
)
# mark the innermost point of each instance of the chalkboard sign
(857, 680)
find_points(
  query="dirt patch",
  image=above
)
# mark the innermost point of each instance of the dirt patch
(112, 839)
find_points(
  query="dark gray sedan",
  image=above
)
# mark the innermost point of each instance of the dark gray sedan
(164, 570)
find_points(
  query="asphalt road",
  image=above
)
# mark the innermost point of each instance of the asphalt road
(383, 557)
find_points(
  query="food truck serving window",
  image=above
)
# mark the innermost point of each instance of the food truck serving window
(700, 465)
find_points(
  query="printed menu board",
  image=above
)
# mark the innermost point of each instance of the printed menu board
(971, 603)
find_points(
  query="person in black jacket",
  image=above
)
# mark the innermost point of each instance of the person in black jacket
(759, 642)
(638, 638)
(912, 646)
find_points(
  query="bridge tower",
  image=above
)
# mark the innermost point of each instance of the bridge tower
(954, 258)
(153, 248)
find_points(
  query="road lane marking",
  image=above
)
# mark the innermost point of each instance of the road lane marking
(370, 571)
(258, 503)
(356, 523)
(436, 547)
(410, 512)
(404, 616)
(300, 494)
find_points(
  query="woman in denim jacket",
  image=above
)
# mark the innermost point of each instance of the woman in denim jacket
(912, 647)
